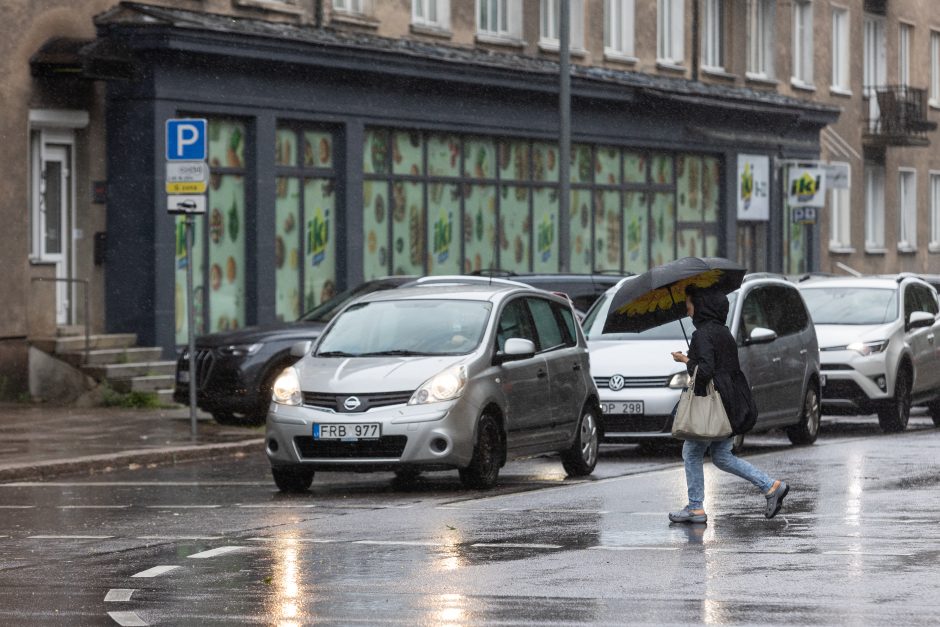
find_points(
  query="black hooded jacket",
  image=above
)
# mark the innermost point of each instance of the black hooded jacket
(714, 351)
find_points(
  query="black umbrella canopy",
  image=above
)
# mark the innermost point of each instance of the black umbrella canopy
(657, 296)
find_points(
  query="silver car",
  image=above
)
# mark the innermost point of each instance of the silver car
(437, 377)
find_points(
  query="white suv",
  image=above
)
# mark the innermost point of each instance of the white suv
(878, 346)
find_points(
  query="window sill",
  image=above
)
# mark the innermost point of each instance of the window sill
(933, 247)
(499, 40)
(798, 84)
(669, 65)
(271, 6)
(355, 19)
(761, 79)
(718, 72)
(839, 91)
(551, 45)
(838, 249)
(905, 249)
(431, 31)
(873, 250)
(619, 57)
(37, 261)
(933, 104)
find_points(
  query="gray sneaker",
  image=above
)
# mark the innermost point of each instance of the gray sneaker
(685, 515)
(775, 499)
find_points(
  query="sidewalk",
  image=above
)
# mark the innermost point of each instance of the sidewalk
(41, 442)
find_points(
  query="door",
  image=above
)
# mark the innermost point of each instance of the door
(923, 341)
(759, 362)
(788, 319)
(55, 208)
(524, 381)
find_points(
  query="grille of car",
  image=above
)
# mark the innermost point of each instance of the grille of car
(835, 367)
(634, 382)
(204, 362)
(385, 447)
(625, 423)
(337, 402)
(839, 388)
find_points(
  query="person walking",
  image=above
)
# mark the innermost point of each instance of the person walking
(714, 352)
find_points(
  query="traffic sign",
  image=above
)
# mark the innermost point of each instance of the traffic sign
(186, 204)
(186, 140)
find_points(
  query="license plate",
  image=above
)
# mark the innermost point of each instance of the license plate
(183, 376)
(351, 432)
(623, 407)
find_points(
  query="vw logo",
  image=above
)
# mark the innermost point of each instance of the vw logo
(616, 382)
(352, 403)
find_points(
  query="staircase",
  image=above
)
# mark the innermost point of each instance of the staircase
(114, 359)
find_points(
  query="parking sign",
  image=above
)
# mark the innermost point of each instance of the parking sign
(186, 140)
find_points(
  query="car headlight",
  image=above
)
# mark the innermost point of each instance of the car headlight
(241, 350)
(868, 348)
(286, 389)
(445, 386)
(679, 381)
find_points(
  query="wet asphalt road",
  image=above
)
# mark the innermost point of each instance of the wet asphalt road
(214, 543)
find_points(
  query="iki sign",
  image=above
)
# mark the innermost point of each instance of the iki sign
(806, 187)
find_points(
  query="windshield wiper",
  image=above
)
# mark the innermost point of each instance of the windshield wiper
(398, 352)
(336, 354)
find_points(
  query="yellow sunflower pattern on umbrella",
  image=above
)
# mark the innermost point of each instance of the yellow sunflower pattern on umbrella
(666, 298)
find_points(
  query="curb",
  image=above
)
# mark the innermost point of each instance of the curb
(126, 459)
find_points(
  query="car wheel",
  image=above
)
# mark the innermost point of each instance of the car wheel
(934, 409)
(807, 429)
(737, 443)
(581, 458)
(893, 418)
(290, 479)
(483, 470)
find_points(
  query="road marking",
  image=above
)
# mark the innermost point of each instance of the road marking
(276, 505)
(514, 545)
(633, 548)
(127, 619)
(287, 540)
(867, 554)
(171, 538)
(222, 550)
(17, 506)
(398, 543)
(156, 571)
(93, 506)
(118, 595)
(183, 506)
(78, 484)
(68, 537)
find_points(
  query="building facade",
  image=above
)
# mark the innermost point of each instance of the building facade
(357, 138)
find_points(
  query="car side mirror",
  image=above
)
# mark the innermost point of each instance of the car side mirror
(515, 349)
(761, 335)
(301, 348)
(920, 319)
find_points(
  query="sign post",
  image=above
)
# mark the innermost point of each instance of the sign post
(186, 181)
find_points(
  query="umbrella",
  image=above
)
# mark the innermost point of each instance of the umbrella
(657, 296)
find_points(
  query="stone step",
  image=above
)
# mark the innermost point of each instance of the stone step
(104, 356)
(129, 370)
(76, 343)
(165, 397)
(149, 383)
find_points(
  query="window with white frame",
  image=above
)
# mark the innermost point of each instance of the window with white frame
(803, 41)
(713, 34)
(760, 38)
(549, 11)
(905, 35)
(935, 68)
(357, 7)
(670, 31)
(934, 212)
(873, 68)
(431, 13)
(618, 27)
(840, 231)
(907, 206)
(874, 208)
(499, 18)
(840, 49)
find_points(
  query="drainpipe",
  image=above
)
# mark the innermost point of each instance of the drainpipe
(318, 14)
(564, 135)
(696, 39)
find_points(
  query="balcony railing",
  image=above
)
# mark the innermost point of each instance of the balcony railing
(897, 116)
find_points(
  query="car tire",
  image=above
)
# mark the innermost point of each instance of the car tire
(894, 418)
(483, 470)
(807, 429)
(581, 458)
(292, 479)
(934, 409)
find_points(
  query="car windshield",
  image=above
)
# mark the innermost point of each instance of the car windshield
(594, 324)
(327, 310)
(406, 327)
(851, 305)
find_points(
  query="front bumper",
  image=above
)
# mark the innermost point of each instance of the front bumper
(852, 384)
(438, 435)
(659, 404)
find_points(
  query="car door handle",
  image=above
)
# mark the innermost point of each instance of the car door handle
(541, 374)
(576, 367)
(930, 338)
(776, 360)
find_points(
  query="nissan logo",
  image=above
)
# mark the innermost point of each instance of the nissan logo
(352, 403)
(616, 382)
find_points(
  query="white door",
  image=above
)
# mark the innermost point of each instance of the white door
(55, 191)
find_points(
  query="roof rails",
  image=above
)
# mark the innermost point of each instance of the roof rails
(763, 275)
(814, 275)
(492, 272)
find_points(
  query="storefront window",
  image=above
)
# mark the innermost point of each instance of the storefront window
(545, 214)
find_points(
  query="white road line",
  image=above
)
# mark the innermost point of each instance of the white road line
(222, 550)
(118, 595)
(79, 484)
(156, 571)
(68, 537)
(93, 506)
(183, 506)
(514, 545)
(17, 506)
(276, 506)
(307, 540)
(633, 548)
(128, 619)
(171, 538)
(398, 543)
(867, 554)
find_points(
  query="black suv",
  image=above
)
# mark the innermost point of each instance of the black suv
(235, 369)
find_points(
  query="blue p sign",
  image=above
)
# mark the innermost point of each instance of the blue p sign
(186, 140)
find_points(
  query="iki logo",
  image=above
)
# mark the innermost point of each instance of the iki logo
(747, 185)
(318, 235)
(443, 234)
(805, 187)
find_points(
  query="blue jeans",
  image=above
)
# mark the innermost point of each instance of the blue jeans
(693, 453)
